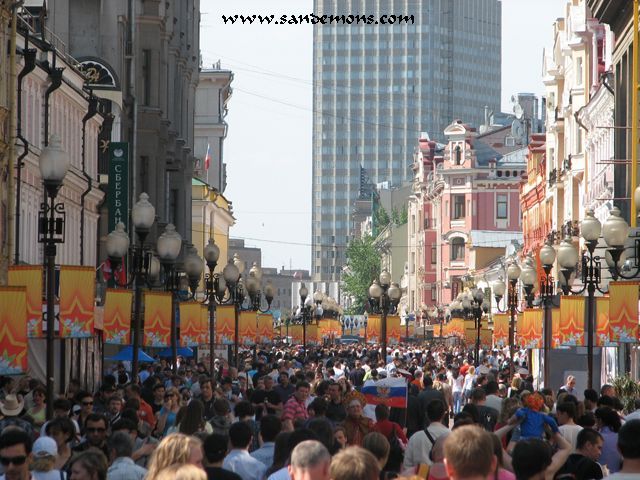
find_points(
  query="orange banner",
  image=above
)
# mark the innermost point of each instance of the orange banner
(500, 330)
(485, 337)
(190, 324)
(30, 276)
(373, 328)
(265, 328)
(77, 293)
(312, 334)
(117, 317)
(530, 328)
(225, 324)
(204, 338)
(296, 334)
(603, 332)
(394, 331)
(555, 328)
(157, 319)
(572, 320)
(623, 311)
(324, 329)
(248, 328)
(470, 332)
(13, 330)
(335, 327)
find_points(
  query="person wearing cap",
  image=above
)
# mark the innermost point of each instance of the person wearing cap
(44, 452)
(11, 407)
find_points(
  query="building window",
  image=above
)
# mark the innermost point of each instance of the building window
(146, 77)
(457, 249)
(458, 207)
(434, 254)
(458, 155)
(502, 203)
(434, 293)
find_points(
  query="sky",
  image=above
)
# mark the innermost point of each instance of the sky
(268, 147)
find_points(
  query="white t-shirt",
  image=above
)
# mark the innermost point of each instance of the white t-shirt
(570, 434)
(457, 384)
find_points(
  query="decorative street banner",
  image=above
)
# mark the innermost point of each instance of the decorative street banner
(485, 337)
(324, 329)
(225, 324)
(312, 334)
(248, 328)
(190, 324)
(265, 328)
(30, 276)
(77, 293)
(623, 311)
(204, 326)
(500, 329)
(373, 329)
(530, 328)
(296, 334)
(394, 331)
(572, 320)
(117, 317)
(13, 330)
(157, 319)
(118, 193)
(602, 323)
(335, 327)
(470, 332)
(555, 328)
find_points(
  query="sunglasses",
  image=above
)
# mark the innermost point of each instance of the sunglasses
(96, 430)
(87, 403)
(14, 460)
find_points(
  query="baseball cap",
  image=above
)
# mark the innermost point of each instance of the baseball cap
(45, 446)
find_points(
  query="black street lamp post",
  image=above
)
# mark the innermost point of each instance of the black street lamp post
(384, 297)
(475, 307)
(54, 165)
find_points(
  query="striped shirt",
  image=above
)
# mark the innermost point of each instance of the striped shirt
(294, 409)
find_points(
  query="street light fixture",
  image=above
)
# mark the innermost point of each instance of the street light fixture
(54, 165)
(499, 288)
(384, 297)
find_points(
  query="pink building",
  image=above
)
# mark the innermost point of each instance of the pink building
(471, 205)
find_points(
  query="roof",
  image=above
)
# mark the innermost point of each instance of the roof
(494, 238)
(484, 153)
(516, 158)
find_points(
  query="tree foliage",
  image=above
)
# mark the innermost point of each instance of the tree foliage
(381, 218)
(363, 266)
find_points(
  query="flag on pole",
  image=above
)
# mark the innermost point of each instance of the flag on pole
(207, 158)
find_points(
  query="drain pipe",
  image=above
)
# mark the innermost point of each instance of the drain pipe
(91, 112)
(55, 74)
(29, 55)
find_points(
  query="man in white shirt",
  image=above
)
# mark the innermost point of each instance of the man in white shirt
(238, 460)
(418, 449)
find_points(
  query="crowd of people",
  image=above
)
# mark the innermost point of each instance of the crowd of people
(287, 413)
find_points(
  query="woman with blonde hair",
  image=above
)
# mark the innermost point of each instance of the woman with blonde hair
(45, 451)
(175, 448)
(181, 471)
(166, 416)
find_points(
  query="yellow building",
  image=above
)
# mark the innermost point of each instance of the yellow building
(211, 217)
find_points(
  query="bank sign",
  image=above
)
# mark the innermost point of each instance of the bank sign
(118, 194)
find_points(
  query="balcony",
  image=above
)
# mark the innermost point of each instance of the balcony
(553, 177)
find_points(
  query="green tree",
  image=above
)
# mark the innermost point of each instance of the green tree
(363, 266)
(380, 218)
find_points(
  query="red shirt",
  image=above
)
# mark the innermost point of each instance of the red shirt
(387, 427)
(146, 414)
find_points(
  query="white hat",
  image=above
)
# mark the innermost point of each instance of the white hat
(12, 405)
(44, 446)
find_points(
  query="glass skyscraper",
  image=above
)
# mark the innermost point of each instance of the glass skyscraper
(377, 87)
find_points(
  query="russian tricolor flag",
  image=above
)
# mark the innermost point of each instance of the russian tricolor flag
(391, 391)
(207, 158)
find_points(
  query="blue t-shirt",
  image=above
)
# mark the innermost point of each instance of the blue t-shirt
(533, 424)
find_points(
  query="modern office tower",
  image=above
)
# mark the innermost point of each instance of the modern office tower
(377, 87)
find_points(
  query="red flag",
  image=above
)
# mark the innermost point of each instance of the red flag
(207, 158)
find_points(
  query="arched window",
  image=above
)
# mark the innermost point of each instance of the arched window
(458, 155)
(457, 249)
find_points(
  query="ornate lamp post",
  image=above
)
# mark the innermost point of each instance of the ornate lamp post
(498, 287)
(54, 165)
(143, 267)
(214, 292)
(474, 307)
(308, 312)
(384, 297)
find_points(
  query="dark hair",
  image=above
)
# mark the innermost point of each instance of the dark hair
(64, 425)
(221, 406)
(382, 412)
(280, 452)
(62, 404)
(461, 419)
(491, 387)
(244, 409)
(96, 417)
(427, 381)
(323, 430)
(82, 394)
(121, 443)
(605, 401)
(15, 436)
(193, 418)
(130, 414)
(135, 388)
(302, 384)
(240, 435)
(530, 457)
(609, 418)
(472, 410)
(94, 461)
(436, 410)
(587, 435)
(319, 406)
(157, 386)
(586, 420)
(215, 447)
(270, 427)
(629, 439)
(478, 394)
(124, 424)
(591, 395)
(567, 407)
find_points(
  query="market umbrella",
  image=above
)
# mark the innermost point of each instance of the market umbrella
(126, 354)
(182, 351)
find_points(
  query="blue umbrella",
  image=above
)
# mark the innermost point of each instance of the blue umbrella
(126, 354)
(182, 351)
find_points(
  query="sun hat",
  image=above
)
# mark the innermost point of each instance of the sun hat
(12, 405)
(45, 446)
